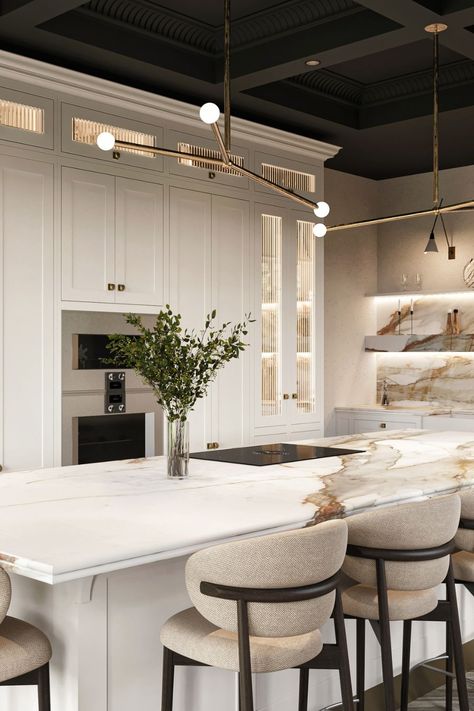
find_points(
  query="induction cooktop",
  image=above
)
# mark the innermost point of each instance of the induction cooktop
(264, 454)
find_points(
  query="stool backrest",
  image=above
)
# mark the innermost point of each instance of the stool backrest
(5, 593)
(465, 536)
(413, 526)
(278, 561)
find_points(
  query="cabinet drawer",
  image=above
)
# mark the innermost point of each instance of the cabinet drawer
(440, 423)
(373, 424)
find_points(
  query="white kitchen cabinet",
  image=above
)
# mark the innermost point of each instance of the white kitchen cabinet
(27, 313)
(355, 421)
(209, 269)
(112, 239)
(462, 422)
(289, 297)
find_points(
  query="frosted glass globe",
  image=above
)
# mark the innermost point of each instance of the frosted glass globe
(319, 230)
(209, 113)
(322, 209)
(106, 141)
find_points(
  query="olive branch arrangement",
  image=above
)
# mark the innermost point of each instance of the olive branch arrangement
(179, 364)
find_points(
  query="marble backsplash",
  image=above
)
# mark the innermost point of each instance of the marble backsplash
(437, 378)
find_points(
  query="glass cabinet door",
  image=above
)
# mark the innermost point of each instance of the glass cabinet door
(271, 315)
(305, 318)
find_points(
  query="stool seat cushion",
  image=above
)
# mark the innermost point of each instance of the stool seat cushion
(463, 566)
(189, 633)
(23, 648)
(362, 601)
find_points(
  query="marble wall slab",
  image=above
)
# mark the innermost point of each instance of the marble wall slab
(434, 378)
(415, 374)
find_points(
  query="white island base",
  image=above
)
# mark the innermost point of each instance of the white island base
(103, 612)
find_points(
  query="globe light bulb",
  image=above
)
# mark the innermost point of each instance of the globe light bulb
(322, 209)
(209, 113)
(319, 230)
(106, 141)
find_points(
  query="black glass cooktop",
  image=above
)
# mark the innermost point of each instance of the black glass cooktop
(264, 454)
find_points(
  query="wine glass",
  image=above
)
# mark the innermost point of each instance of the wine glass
(404, 281)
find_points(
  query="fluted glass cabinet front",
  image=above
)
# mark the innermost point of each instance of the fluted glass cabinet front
(290, 303)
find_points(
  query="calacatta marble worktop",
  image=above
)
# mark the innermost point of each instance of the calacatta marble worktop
(71, 522)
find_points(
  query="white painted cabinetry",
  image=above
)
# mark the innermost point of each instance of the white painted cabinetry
(289, 297)
(209, 270)
(26, 314)
(112, 239)
(355, 421)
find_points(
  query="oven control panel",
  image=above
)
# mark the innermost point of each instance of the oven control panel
(114, 393)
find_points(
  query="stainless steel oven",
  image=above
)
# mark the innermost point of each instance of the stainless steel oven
(107, 413)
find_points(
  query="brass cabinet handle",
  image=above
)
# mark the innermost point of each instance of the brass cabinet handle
(294, 396)
(111, 287)
(286, 396)
(121, 287)
(212, 445)
(383, 425)
(1, 468)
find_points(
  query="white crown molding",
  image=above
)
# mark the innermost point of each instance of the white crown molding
(75, 84)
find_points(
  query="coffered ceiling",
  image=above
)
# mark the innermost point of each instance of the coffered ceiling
(371, 93)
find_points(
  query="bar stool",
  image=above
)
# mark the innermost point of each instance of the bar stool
(24, 650)
(259, 604)
(463, 560)
(399, 556)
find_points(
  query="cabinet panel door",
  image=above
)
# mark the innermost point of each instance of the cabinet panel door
(26, 316)
(139, 245)
(88, 216)
(190, 280)
(230, 297)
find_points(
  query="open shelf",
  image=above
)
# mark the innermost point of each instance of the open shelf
(421, 292)
(434, 343)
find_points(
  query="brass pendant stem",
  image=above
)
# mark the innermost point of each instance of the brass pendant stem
(435, 120)
(227, 95)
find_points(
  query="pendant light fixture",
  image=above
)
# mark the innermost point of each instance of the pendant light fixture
(438, 209)
(209, 114)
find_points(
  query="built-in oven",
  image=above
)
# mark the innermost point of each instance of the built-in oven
(108, 413)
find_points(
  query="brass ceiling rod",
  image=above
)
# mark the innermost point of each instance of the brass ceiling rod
(436, 210)
(209, 114)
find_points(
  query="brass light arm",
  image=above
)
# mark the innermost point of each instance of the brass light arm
(404, 216)
(220, 143)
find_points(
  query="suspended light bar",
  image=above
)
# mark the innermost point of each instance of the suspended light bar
(209, 114)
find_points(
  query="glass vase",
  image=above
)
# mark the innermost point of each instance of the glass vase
(178, 449)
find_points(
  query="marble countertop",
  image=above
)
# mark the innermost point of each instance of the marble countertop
(414, 408)
(67, 523)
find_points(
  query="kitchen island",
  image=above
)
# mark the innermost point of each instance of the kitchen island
(97, 554)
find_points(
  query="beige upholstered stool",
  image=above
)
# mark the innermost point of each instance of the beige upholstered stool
(463, 560)
(399, 556)
(24, 650)
(259, 604)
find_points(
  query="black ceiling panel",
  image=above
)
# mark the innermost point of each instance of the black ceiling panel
(371, 94)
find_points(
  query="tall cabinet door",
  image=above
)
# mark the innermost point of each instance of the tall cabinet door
(26, 316)
(88, 226)
(190, 280)
(139, 244)
(231, 299)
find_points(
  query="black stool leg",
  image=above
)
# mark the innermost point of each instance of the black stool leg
(405, 665)
(385, 639)
(303, 690)
(449, 668)
(44, 700)
(168, 680)
(344, 667)
(457, 641)
(245, 667)
(360, 632)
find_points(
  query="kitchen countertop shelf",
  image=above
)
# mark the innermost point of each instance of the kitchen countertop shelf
(415, 343)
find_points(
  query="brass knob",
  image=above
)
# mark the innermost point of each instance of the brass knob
(383, 425)
(121, 287)
(212, 445)
(111, 287)
(286, 396)
(294, 396)
(1, 468)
